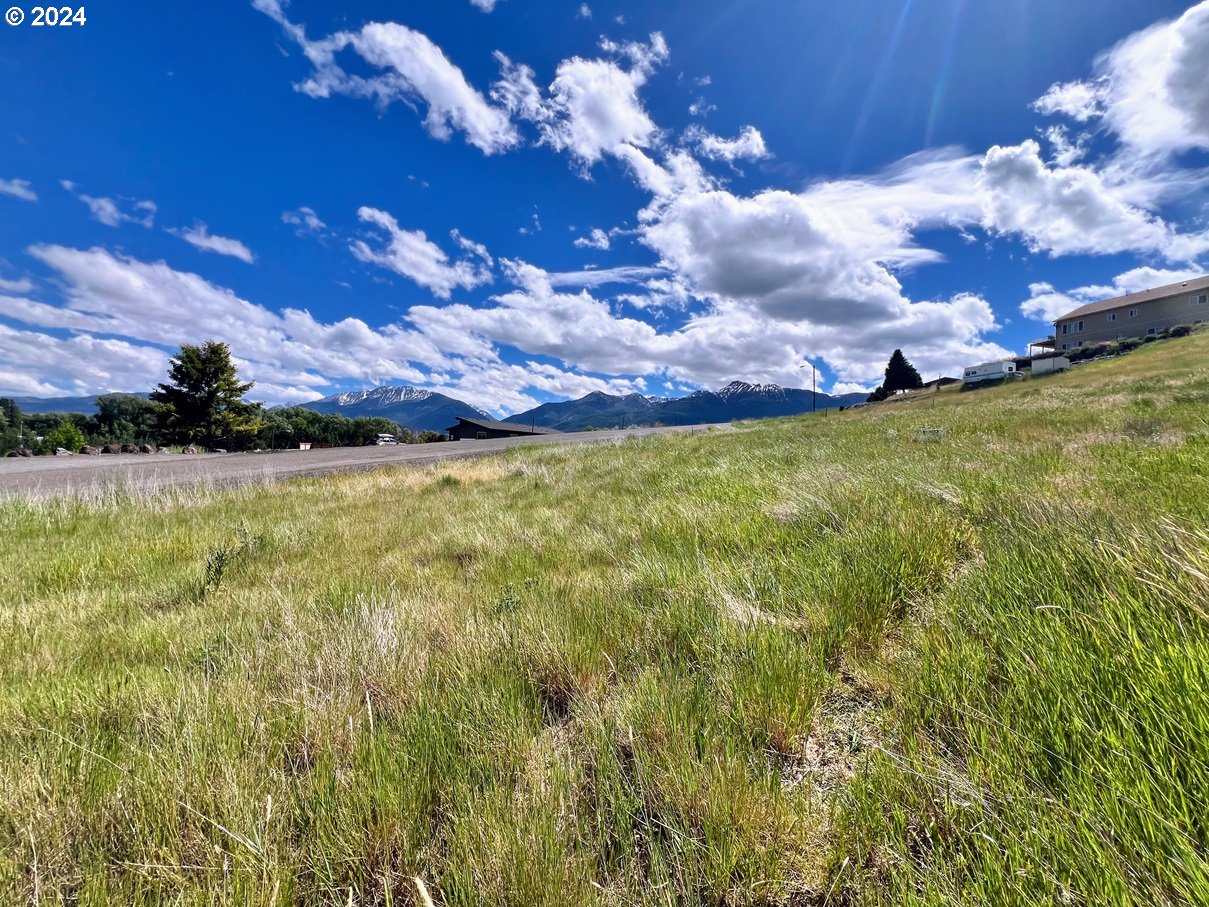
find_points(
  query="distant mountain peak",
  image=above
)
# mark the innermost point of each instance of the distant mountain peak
(744, 387)
(385, 395)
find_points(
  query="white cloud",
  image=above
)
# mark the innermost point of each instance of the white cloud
(1070, 210)
(1045, 303)
(594, 107)
(21, 285)
(730, 340)
(485, 5)
(21, 189)
(1151, 89)
(597, 239)
(597, 277)
(411, 254)
(151, 308)
(305, 221)
(823, 255)
(414, 70)
(584, 12)
(41, 364)
(200, 237)
(109, 211)
(749, 146)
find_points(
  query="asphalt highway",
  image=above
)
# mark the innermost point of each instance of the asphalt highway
(57, 476)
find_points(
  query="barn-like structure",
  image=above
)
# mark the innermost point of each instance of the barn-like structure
(484, 429)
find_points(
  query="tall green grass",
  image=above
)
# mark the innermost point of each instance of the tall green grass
(800, 662)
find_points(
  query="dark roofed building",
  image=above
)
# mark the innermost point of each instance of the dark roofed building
(484, 429)
(1135, 315)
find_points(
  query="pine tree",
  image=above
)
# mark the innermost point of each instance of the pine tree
(204, 403)
(900, 375)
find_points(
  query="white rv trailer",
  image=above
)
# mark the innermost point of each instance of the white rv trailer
(989, 371)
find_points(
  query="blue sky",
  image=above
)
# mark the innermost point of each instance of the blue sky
(519, 201)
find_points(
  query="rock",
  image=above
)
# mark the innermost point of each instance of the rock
(148, 448)
(111, 449)
(63, 452)
(218, 450)
(89, 451)
(21, 452)
(130, 448)
(191, 449)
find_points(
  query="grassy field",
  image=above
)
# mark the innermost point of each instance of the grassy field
(825, 660)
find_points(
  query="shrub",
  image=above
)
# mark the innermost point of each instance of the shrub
(65, 435)
(1150, 338)
(1180, 330)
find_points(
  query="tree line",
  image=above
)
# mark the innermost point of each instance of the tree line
(202, 404)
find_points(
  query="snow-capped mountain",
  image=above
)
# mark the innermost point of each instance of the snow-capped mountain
(738, 400)
(742, 388)
(411, 407)
(379, 396)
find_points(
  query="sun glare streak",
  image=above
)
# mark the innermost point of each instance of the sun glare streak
(942, 80)
(875, 84)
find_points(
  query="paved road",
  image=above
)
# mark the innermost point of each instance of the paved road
(53, 476)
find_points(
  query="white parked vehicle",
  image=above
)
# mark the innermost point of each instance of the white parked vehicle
(384, 439)
(989, 371)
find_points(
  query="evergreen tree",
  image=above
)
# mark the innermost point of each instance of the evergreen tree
(126, 418)
(901, 375)
(879, 394)
(204, 403)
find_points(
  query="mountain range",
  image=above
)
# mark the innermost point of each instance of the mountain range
(411, 407)
(85, 405)
(738, 400)
(425, 410)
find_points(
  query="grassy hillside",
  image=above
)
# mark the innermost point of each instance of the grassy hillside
(801, 662)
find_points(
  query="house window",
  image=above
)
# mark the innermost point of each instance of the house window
(1112, 316)
(1152, 330)
(1080, 343)
(1199, 300)
(1133, 313)
(1078, 326)
(1066, 329)
(1066, 346)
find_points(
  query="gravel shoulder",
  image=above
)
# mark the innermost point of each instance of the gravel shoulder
(58, 476)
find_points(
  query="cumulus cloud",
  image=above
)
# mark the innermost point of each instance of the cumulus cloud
(109, 211)
(21, 189)
(32, 362)
(485, 5)
(593, 106)
(1070, 210)
(1151, 90)
(413, 255)
(597, 239)
(1048, 304)
(143, 308)
(749, 146)
(584, 12)
(200, 237)
(413, 70)
(728, 340)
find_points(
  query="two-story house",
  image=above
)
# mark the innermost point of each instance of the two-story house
(1135, 315)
